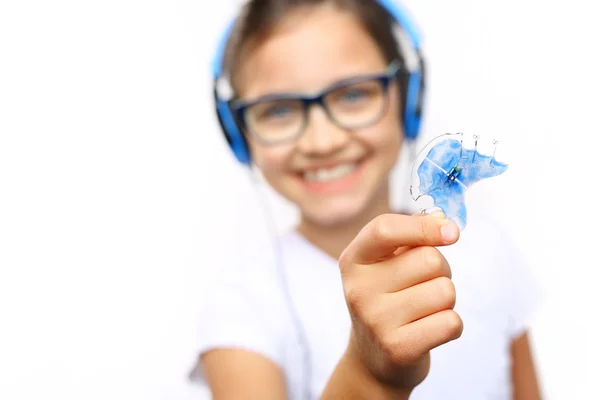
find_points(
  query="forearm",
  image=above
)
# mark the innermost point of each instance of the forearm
(524, 376)
(350, 380)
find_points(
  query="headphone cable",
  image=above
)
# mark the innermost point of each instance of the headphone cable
(294, 313)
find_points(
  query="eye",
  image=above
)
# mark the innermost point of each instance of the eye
(353, 95)
(276, 111)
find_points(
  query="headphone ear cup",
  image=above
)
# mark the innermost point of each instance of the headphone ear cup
(403, 89)
(235, 139)
(222, 125)
(413, 96)
(229, 127)
(422, 89)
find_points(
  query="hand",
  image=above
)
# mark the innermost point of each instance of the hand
(400, 296)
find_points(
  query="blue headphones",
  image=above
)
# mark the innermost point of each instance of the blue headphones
(412, 79)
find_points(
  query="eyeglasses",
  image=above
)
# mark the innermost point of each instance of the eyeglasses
(351, 104)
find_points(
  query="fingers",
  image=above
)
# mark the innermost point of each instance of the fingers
(385, 234)
(411, 267)
(413, 341)
(391, 311)
(420, 301)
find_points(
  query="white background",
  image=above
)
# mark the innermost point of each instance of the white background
(117, 194)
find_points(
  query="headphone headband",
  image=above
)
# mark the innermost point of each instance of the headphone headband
(409, 43)
(219, 56)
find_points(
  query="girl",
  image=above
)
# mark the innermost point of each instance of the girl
(361, 302)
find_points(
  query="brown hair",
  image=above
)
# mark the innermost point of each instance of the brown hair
(259, 18)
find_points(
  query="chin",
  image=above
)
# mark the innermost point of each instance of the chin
(334, 212)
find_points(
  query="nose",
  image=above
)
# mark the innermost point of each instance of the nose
(321, 136)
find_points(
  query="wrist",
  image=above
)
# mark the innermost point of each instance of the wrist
(398, 377)
(353, 380)
(386, 389)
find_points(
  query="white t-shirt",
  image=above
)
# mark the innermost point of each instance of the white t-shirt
(246, 308)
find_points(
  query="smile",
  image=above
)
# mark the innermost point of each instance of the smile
(330, 174)
(336, 179)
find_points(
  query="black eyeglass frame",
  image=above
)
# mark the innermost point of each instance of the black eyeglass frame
(385, 79)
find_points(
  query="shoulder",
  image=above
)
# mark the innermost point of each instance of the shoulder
(244, 302)
(239, 303)
(254, 268)
(242, 278)
(242, 299)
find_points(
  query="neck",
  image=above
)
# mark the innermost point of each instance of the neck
(335, 238)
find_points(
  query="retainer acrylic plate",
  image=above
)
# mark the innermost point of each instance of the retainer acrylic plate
(444, 170)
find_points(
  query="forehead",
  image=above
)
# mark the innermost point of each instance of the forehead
(309, 50)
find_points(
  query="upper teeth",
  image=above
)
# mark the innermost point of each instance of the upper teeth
(329, 174)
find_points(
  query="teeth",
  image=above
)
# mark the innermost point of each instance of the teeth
(330, 174)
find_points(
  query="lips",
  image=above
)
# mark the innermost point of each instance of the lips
(332, 179)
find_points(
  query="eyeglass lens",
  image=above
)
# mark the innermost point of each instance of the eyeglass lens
(351, 106)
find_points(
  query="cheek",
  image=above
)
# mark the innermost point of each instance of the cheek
(387, 135)
(272, 161)
(385, 138)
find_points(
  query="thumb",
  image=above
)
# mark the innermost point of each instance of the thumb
(389, 234)
(435, 214)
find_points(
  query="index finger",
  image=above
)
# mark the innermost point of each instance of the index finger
(381, 237)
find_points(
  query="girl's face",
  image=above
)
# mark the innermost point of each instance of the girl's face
(332, 173)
